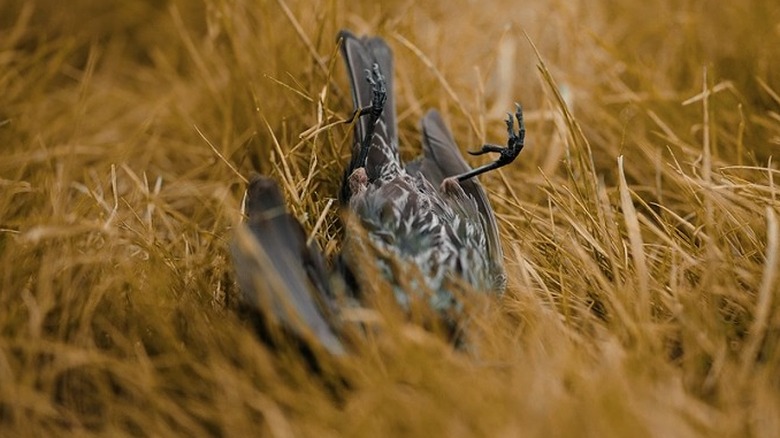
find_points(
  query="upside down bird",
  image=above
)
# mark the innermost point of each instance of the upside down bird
(430, 214)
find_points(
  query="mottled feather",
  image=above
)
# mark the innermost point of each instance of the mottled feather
(444, 228)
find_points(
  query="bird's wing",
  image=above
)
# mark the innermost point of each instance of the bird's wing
(277, 273)
(442, 159)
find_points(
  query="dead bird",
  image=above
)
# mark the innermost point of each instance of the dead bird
(432, 212)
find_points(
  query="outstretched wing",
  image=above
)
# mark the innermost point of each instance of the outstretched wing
(278, 274)
(442, 159)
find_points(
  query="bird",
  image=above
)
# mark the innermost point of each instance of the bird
(431, 213)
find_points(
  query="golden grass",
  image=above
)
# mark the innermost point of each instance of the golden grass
(640, 225)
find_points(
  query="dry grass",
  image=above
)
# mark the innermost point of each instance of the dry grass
(640, 226)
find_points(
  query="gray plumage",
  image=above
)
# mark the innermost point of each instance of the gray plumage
(284, 281)
(418, 211)
(432, 214)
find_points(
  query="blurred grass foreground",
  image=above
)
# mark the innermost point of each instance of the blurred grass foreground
(639, 226)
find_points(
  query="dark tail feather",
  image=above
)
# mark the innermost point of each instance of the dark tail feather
(442, 159)
(279, 276)
(360, 54)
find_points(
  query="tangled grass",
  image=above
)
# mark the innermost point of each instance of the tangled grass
(640, 225)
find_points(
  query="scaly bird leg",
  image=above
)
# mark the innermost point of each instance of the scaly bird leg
(374, 111)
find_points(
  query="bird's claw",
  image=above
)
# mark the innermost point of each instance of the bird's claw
(378, 95)
(378, 89)
(508, 153)
(515, 141)
(374, 111)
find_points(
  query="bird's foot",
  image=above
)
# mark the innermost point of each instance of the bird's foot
(378, 90)
(507, 154)
(374, 111)
(378, 84)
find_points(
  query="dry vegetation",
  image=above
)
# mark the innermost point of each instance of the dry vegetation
(643, 298)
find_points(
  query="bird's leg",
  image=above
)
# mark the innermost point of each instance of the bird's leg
(373, 111)
(507, 154)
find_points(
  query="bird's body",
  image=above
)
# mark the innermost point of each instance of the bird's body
(426, 223)
(419, 212)
(439, 234)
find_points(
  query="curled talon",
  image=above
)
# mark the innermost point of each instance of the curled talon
(486, 149)
(377, 81)
(375, 78)
(520, 122)
(514, 144)
(378, 95)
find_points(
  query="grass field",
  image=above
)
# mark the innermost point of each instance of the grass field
(640, 224)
